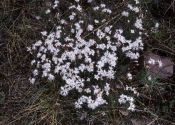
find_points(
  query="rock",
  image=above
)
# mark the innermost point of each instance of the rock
(162, 67)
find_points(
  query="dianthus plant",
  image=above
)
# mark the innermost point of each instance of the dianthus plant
(82, 49)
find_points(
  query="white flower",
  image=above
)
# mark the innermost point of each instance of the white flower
(124, 98)
(35, 72)
(157, 25)
(90, 28)
(64, 92)
(87, 90)
(107, 88)
(124, 13)
(51, 77)
(107, 11)
(108, 29)
(79, 8)
(151, 61)
(33, 62)
(96, 8)
(89, 1)
(77, 1)
(100, 34)
(138, 24)
(56, 2)
(135, 9)
(96, 21)
(48, 11)
(137, 1)
(132, 31)
(38, 17)
(102, 5)
(32, 80)
(71, 17)
(63, 21)
(149, 78)
(38, 43)
(160, 63)
(133, 90)
(129, 75)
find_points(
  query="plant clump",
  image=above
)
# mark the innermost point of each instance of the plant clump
(82, 49)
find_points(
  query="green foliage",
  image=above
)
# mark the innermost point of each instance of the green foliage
(145, 78)
(159, 35)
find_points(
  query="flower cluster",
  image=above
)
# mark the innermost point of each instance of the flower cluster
(93, 103)
(82, 51)
(154, 62)
(124, 99)
(132, 45)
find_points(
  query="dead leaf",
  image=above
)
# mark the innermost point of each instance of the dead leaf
(124, 112)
